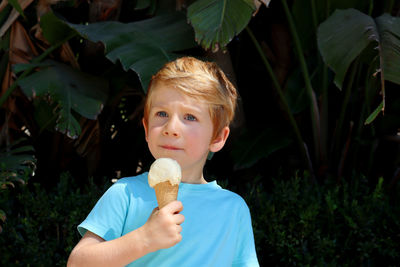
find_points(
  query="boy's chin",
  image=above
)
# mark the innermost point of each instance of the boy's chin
(166, 155)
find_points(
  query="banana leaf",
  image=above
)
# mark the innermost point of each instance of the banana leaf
(254, 145)
(216, 22)
(72, 90)
(143, 46)
(345, 35)
(389, 30)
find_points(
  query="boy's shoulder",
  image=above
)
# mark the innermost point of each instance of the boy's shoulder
(137, 179)
(133, 183)
(227, 196)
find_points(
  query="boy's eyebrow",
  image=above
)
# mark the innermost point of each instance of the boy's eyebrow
(193, 109)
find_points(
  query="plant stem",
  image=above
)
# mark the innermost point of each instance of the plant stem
(282, 98)
(391, 5)
(371, 7)
(325, 99)
(314, 15)
(328, 8)
(324, 87)
(370, 84)
(324, 113)
(314, 107)
(338, 130)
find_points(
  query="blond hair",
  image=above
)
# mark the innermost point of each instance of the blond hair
(201, 80)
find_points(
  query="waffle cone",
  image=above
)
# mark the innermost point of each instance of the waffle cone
(166, 193)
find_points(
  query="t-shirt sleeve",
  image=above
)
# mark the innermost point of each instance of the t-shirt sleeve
(107, 218)
(245, 249)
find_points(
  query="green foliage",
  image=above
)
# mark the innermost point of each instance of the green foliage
(54, 30)
(216, 22)
(254, 146)
(40, 229)
(389, 33)
(348, 33)
(374, 114)
(142, 46)
(344, 35)
(356, 47)
(297, 223)
(17, 163)
(16, 5)
(70, 89)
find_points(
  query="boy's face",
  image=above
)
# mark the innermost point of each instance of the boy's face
(181, 128)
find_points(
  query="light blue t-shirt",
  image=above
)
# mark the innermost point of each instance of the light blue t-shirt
(217, 229)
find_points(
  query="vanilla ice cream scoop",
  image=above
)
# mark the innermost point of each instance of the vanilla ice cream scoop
(164, 176)
(165, 169)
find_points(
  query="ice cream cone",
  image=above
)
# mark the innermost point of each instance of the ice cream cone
(164, 176)
(165, 193)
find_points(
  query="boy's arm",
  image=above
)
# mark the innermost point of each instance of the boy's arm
(162, 230)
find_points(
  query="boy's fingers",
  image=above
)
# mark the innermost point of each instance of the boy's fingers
(179, 218)
(174, 207)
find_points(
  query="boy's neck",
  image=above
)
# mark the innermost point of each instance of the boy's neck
(193, 179)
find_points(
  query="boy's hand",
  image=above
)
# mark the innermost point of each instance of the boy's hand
(163, 228)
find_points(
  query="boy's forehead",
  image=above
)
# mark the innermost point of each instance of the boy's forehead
(164, 93)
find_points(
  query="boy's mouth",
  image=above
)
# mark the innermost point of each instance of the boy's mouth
(170, 147)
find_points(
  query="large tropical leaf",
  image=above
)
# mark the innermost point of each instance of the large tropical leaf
(342, 37)
(71, 89)
(345, 35)
(254, 145)
(389, 33)
(216, 22)
(142, 46)
(304, 18)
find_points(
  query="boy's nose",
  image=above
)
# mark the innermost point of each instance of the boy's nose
(171, 128)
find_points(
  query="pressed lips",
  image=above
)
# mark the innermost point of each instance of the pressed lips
(170, 147)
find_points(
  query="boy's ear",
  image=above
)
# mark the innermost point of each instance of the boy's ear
(218, 143)
(145, 129)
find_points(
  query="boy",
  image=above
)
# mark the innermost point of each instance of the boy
(188, 108)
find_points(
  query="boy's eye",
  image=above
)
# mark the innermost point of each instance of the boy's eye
(161, 114)
(190, 117)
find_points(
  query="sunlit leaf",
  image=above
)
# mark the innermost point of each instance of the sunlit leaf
(216, 22)
(143, 46)
(71, 89)
(374, 114)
